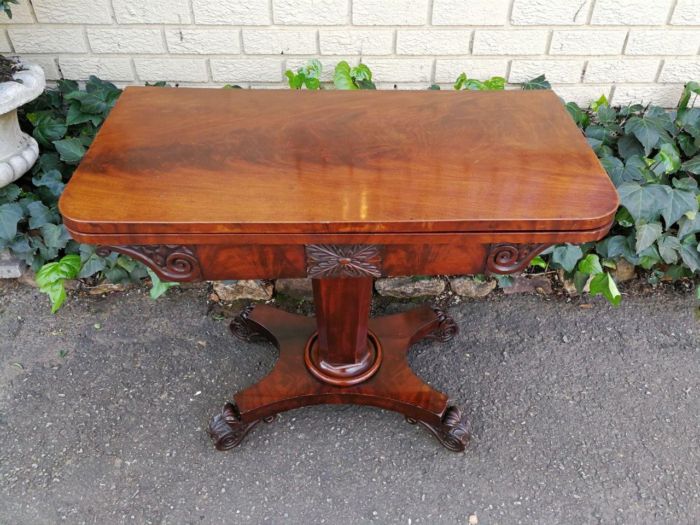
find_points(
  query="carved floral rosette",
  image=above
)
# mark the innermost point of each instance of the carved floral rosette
(169, 261)
(343, 260)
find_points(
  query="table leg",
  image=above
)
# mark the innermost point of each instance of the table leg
(341, 356)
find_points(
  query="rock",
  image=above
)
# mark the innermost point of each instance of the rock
(299, 288)
(569, 286)
(10, 266)
(245, 289)
(409, 287)
(624, 271)
(528, 284)
(470, 287)
(105, 288)
(28, 277)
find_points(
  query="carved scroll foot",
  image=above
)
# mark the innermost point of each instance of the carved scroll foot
(453, 432)
(446, 328)
(227, 431)
(246, 329)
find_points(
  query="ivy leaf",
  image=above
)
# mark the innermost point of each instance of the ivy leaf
(629, 146)
(566, 256)
(644, 203)
(76, 116)
(51, 278)
(690, 254)
(70, 149)
(39, 215)
(647, 130)
(10, 193)
(342, 78)
(679, 203)
(55, 235)
(687, 145)
(647, 234)
(158, 287)
(579, 115)
(686, 183)
(692, 165)
(688, 226)
(10, 215)
(669, 246)
(605, 285)
(537, 83)
(46, 128)
(590, 265)
(669, 158)
(52, 180)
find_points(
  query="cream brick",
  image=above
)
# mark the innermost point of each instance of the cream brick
(21, 14)
(5, 46)
(549, 12)
(311, 12)
(388, 13)
(327, 65)
(354, 42)
(556, 71)
(152, 11)
(433, 42)
(631, 12)
(80, 68)
(247, 70)
(275, 42)
(582, 95)
(614, 70)
(47, 63)
(675, 70)
(48, 40)
(687, 13)
(400, 86)
(401, 69)
(123, 40)
(470, 12)
(662, 42)
(502, 42)
(664, 95)
(171, 69)
(447, 70)
(203, 41)
(72, 11)
(232, 12)
(587, 42)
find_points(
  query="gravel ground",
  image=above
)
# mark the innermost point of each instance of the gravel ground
(580, 415)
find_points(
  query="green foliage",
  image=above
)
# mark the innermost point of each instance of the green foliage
(6, 8)
(158, 287)
(471, 84)
(651, 156)
(52, 277)
(308, 75)
(358, 77)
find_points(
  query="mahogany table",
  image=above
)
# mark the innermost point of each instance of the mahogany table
(342, 187)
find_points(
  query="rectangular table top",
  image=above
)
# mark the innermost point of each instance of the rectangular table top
(210, 161)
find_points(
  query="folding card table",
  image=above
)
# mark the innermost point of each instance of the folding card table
(342, 187)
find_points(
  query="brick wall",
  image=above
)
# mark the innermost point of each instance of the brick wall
(629, 50)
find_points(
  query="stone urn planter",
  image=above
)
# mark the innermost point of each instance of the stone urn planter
(18, 151)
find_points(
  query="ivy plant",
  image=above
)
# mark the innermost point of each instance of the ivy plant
(6, 8)
(358, 77)
(308, 76)
(651, 155)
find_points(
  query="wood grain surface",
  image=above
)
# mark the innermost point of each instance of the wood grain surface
(190, 162)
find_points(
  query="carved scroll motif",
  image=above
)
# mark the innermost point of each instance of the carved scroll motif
(169, 261)
(343, 260)
(511, 258)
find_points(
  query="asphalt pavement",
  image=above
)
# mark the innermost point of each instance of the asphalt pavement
(581, 414)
